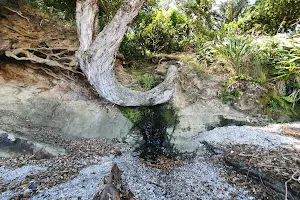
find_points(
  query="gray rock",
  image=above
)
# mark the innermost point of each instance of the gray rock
(199, 117)
(246, 135)
(24, 107)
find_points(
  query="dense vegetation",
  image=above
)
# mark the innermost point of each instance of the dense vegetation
(233, 35)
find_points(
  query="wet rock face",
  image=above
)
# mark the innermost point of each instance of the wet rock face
(153, 127)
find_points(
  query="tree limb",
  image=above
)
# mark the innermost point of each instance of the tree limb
(96, 57)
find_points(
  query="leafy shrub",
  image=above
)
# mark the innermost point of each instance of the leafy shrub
(133, 114)
(227, 96)
(157, 31)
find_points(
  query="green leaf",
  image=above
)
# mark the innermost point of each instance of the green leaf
(288, 99)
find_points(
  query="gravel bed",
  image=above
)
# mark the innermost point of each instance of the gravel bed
(14, 178)
(9, 174)
(83, 186)
(195, 179)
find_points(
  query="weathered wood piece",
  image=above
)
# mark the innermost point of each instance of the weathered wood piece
(112, 188)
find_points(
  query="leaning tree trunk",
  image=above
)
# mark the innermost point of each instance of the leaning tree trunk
(96, 55)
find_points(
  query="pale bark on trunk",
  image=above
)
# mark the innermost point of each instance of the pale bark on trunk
(96, 55)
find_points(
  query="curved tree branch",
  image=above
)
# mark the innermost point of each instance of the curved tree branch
(96, 56)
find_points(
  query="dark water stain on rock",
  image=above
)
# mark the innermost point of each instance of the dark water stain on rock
(156, 127)
(226, 122)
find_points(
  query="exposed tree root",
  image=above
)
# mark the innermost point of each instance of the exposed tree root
(56, 73)
(54, 57)
(293, 178)
(18, 12)
(160, 58)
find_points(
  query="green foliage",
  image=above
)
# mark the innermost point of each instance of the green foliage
(203, 13)
(63, 9)
(107, 8)
(133, 114)
(273, 16)
(228, 96)
(278, 103)
(131, 47)
(286, 68)
(13, 3)
(157, 31)
(147, 81)
(288, 99)
(231, 10)
(287, 61)
(203, 23)
(66, 9)
(237, 54)
(137, 114)
(231, 92)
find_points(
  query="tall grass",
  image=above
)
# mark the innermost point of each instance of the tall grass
(239, 54)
